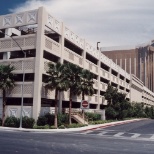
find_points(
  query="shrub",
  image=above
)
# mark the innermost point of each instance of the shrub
(110, 113)
(93, 116)
(61, 127)
(41, 121)
(139, 111)
(41, 127)
(75, 125)
(100, 122)
(63, 119)
(12, 122)
(53, 127)
(50, 118)
(47, 119)
(27, 122)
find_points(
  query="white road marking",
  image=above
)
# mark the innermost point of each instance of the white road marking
(102, 133)
(118, 134)
(135, 135)
(86, 132)
(152, 137)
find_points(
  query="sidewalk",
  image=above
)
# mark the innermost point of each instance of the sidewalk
(86, 128)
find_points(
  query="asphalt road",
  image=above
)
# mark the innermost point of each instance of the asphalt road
(81, 142)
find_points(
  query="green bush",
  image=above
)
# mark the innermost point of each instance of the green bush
(53, 127)
(61, 127)
(41, 121)
(48, 119)
(139, 111)
(41, 127)
(12, 122)
(100, 122)
(75, 125)
(93, 116)
(110, 113)
(63, 119)
(27, 122)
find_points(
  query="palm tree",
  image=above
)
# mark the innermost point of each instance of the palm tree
(86, 85)
(6, 82)
(55, 81)
(72, 76)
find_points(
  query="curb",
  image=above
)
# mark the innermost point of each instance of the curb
(113, 124)
(82, 129)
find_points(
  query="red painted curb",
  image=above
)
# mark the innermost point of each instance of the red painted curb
(109, 125)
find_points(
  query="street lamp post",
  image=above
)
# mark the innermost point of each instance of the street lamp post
(22, 97)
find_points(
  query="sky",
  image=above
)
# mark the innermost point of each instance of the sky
(111, 22)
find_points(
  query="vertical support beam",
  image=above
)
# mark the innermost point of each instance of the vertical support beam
(121, 63)
(140, 67)
(125, 65)
(130, 70)
(61, 41)
(8, 32)
(116, 61)
(99, 66)
(135, 66)
(153, 71)
(40, 42)
(145, 66)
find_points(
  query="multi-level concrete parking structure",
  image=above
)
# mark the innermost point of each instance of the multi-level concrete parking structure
(45, 39)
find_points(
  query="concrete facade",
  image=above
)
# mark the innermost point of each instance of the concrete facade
(45, 39)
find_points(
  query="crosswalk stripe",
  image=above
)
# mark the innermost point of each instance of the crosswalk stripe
(102, 133)
(152, 137)
(135, 135)
(86, 132)
(118, 134)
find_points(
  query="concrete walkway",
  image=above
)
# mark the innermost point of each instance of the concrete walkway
(89, 127)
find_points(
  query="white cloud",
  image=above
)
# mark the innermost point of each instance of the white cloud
(113, 22)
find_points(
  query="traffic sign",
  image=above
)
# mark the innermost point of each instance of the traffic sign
(84, 104)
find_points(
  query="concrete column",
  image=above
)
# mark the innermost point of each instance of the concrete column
(39, 64)
(103, 117)
(84, 54)
(153, 71)
(121, 63)
(125, 65)
(145, 72)
(61, 41)
(135, 66)
(8, 32)
(99, 66)
(130, 71)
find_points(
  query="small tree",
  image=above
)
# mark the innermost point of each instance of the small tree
(118, 107)
(55, 81)
(6, 82)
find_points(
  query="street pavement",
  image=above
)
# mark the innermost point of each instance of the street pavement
(133, 137)
(140, 130)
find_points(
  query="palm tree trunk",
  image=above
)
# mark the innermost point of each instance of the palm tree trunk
(83, 109)
(83, 95)
(55, 120)
(4, 104)
(70, 108)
